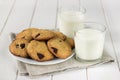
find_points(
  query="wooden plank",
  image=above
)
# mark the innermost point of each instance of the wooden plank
(75, 74)
(106, 71)
(21, 15)
(112, 17)
(18, 19)
(27, 78)
(5, 9)
(45, 15)
(71, 75)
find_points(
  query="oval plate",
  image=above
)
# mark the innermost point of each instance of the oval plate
(30, 61)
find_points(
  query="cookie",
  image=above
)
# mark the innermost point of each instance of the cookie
(59, 48)
(42, 34)
(70, 41)
(60, 35)
(18, 47)
(26, 34)
(38, 50)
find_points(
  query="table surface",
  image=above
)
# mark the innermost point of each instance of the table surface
(16, 15)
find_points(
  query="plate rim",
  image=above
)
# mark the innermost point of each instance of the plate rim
(41, 63)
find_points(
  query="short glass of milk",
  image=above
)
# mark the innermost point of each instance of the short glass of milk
(70, 19)
(89, 41)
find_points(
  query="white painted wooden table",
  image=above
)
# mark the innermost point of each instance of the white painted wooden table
(16, 15)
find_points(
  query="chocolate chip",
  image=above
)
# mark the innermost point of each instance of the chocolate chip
(37, 35)
(54, 50)
(40, 55)
(17, 45)
(60, 40)
(23, 37)
(22, 46)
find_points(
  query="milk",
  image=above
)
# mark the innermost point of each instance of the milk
(69, 22)
(89, 44)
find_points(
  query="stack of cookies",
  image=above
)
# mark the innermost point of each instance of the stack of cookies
(41, 44)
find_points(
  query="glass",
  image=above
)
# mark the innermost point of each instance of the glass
(89, 41)
(69, 18)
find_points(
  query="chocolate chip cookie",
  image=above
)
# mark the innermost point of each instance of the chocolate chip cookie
(59, 35)
(70, 41)
(26, 34)
(18, 47)
(42, 34)
(38, 50)
(59, 48)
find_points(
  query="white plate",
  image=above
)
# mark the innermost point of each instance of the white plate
(30, 61)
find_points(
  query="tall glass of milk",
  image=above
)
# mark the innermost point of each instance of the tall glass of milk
(70, 19)
(89, 41)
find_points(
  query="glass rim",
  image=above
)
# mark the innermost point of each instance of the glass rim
(104, 27)
(80, 7)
